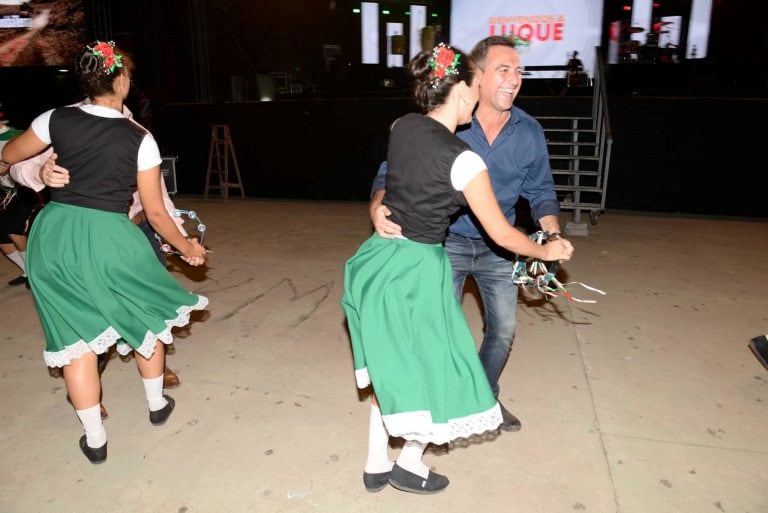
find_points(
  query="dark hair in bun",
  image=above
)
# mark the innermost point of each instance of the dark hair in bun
(96, 71)
(435, 73)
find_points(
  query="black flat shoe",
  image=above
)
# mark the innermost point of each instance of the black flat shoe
(414, 483)
(95, 456)
(158, 417)
(376, 482)
(19, 280)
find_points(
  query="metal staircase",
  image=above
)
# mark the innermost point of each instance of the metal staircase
(580, 155)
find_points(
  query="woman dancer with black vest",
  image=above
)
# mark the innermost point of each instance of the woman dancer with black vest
(95, 279)
(410, 338)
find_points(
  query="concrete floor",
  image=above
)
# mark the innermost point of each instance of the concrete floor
(648, 401)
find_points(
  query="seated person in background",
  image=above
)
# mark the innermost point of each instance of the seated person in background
(574, 63)
(575, 74)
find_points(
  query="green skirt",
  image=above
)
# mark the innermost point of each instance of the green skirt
(411, 340)
(97, 282)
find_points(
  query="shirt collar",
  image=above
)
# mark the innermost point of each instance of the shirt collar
(98, 110)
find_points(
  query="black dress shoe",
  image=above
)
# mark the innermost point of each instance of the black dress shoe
(376, 482)
(170, 379)
(95, 456)
(759, 346)
(414, 483)
(158, 417)
(508, 421)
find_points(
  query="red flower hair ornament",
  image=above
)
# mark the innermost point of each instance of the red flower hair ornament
(443, 62)
(106, 51)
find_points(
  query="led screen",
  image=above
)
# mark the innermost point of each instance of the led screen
(548, 31)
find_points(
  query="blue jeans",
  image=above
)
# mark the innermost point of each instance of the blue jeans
(492, 270)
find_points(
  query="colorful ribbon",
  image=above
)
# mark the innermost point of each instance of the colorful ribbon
(538, 276)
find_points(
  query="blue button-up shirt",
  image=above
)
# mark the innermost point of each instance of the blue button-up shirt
(518, 164)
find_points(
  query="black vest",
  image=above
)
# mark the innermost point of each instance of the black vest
(419, 191)
(101, 155)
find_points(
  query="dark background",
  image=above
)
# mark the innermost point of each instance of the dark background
(247, 37)
(687, 137)
(189, 50)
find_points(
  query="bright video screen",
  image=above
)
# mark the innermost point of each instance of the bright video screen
(41, 33)
(548, 31)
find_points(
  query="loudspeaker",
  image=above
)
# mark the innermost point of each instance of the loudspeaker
(428, 38)
(168, 170)
(237, 86)
(399, 44)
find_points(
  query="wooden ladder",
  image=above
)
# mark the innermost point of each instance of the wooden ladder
(218, 163)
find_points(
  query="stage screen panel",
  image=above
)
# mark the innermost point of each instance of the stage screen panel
(553, 29)
(369, 31)
(418, 22)
(41, 33)
(698, 29)
(395, 52)
(642, 13)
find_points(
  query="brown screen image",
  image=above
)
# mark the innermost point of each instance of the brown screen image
(44, 33)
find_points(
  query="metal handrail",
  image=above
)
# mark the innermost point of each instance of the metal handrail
(603, 142)
(600, 110)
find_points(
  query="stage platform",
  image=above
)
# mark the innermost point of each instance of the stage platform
(692, 155)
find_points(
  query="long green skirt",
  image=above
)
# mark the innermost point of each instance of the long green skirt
(97, 282)
(411, 340)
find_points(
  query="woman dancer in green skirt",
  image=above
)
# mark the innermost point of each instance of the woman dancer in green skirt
(95, 278)
(410, 339)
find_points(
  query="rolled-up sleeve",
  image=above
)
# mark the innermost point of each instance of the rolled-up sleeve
(27, 172)
(380, 179)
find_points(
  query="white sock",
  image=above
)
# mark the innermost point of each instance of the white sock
(410, 458)
(95, 434)
(24, 259)
(154, 390)
(17, 257)
(378, 443)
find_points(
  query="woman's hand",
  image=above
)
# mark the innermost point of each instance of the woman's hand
(194, 254)
(559, 250)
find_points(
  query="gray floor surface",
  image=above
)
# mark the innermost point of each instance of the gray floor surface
(648, 401)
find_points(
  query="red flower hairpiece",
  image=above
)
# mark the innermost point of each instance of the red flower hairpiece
(106, 50)
(443, 62)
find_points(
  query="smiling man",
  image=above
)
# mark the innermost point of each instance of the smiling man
(514, 148)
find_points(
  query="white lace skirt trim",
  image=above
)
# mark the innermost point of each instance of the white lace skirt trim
(99, 345)
(110, 336)
(147, 347)
(362, 378)
(418, 426)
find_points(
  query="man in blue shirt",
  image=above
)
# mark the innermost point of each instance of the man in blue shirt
(514, 148)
